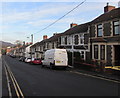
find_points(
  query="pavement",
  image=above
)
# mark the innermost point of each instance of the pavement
(107, 75)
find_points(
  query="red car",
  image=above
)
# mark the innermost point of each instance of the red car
(36, 61)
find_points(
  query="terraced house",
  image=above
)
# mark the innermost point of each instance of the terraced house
(76, 41)
(39, 48)
(105, 37)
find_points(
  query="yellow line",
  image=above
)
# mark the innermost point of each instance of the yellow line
(12, 81)
(95, 76)
(8, 82)
(16, 86)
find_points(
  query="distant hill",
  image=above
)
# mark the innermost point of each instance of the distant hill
(5, 44)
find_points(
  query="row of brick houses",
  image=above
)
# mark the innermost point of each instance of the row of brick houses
(96, 42)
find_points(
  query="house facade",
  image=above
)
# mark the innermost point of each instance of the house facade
(76, 41)
(39, 48)
(105, 37)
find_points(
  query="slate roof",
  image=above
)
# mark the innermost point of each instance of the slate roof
(51, 39)
(54, 37)
(77, 29)
(115, 13)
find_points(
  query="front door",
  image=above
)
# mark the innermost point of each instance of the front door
(117, 55)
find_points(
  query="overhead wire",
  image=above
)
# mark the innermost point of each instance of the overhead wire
(61, 17)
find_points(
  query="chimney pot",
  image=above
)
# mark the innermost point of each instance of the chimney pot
(73, 25)
(45, 37)
(108, 8)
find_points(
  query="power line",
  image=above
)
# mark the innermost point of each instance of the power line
(62, 17)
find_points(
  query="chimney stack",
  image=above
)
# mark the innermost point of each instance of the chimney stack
(73, 25)
(108, 8)
(54, 34)
(45, 37)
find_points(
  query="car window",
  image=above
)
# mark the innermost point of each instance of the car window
(37, 59)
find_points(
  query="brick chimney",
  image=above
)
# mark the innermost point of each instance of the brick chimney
(54, 34)
(45, 37)
(73, 25)
(108, 8)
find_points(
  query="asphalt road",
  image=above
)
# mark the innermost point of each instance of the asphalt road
(0, 76)
(36, 81)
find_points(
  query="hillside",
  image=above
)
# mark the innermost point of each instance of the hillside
(5, 44)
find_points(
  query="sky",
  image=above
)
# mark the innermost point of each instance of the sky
(21, 18)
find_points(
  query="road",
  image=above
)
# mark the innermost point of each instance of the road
(36, 81)
(0, 76)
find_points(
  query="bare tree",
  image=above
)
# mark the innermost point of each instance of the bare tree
(18, 43)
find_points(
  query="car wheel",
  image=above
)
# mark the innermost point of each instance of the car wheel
(42, 66)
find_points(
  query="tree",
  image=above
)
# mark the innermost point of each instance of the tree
(18, 43)
(3, 51)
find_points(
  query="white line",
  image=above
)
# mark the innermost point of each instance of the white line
(95, 77)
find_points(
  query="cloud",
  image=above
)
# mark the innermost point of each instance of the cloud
(36, 18)
(58, 1)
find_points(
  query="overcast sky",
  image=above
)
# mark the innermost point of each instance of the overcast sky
(21, 18)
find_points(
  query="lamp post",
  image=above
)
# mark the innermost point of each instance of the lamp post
(32, 38)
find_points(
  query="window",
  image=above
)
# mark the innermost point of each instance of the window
(82, 39)
(69, 40)
(65, 40)
(99, 30)
(102, 54)
(82, 54)
(53, 45)
(59, 41)
(116, 27)
(47, 45)
(95, 51)
(76, 40)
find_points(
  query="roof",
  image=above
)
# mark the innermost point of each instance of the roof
(54, 37)
(115, 13)
(99, 40)
(24, 46)
(77, 29)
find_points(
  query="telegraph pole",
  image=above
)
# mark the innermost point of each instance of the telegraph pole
(32, 38)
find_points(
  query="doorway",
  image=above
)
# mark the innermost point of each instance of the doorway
(117, 55)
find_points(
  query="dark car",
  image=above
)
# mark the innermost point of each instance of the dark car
(36, 61)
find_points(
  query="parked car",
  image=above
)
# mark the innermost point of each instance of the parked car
(22, 59)
(27, 60)
(13, 56)
(36, 61)
(55, 58)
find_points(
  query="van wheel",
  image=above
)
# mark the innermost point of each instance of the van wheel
(51, 66)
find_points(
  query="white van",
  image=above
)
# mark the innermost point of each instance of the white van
(55, 57)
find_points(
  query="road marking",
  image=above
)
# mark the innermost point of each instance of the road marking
(95, 76)
(8, 82)
(15, 83)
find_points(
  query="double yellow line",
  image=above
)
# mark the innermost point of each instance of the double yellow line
(11, 78)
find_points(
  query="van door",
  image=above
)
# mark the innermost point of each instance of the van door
(61, 58)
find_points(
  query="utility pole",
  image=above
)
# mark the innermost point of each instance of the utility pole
(32, 38)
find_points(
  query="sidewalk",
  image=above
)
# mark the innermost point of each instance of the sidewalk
(95, 73)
